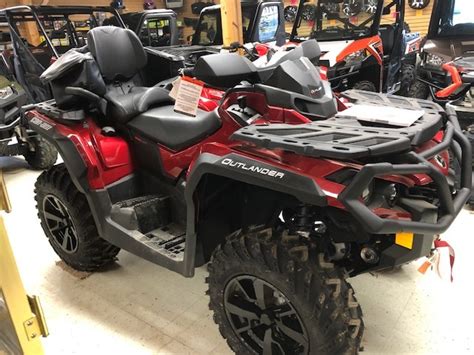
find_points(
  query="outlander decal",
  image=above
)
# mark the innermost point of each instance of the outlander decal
(253, 168)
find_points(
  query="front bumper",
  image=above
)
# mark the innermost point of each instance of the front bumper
(417, 163)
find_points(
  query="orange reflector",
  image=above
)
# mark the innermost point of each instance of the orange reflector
(404, 240)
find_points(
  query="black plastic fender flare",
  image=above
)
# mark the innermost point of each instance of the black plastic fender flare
(244, 169)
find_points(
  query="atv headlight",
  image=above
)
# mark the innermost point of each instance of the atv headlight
(391, 194)
(356, 57)
(434, 60)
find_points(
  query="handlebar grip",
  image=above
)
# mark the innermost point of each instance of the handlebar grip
(188, 72)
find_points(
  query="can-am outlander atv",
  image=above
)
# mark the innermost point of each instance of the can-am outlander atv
(283, 196)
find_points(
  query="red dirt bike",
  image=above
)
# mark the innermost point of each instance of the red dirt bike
(282, 212)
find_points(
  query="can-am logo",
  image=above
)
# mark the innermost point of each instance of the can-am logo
(37, 122)
(253, 168)
(315, 91)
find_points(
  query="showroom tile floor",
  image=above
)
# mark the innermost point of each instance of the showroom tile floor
(135, 307)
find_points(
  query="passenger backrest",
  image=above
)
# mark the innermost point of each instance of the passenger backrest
(117, 51)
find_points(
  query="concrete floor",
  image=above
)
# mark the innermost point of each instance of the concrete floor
(136, 307)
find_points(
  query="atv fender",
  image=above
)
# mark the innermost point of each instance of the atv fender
(246, 169)
(66, 149)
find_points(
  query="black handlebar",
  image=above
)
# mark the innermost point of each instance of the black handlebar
(187, 72)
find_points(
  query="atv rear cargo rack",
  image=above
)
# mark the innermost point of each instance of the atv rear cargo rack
(347, 138)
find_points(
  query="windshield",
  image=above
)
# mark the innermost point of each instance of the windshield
(454, 18)
(330, 20)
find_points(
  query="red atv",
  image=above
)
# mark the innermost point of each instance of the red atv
(282, 212)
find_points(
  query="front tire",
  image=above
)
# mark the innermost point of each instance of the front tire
(43, 156)
(419, 90)
(408, 79)
(68, 223)
(365, 85)
(274, 293)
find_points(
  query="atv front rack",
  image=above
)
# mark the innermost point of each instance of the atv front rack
(416, 163)
(347, 138)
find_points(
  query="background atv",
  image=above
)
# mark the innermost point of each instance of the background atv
(446, 70)
(155, 28)
(450, 38)
(17, 139)
(364, 48)
(262, 21)
(54, 31)
(282, 213)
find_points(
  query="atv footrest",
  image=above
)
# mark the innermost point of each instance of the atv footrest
(169, 240)
(144, 213)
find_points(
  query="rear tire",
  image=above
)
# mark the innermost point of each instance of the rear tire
(365, 85)
(419, 90)
(309, 306)
(43, 156)
(68, 223)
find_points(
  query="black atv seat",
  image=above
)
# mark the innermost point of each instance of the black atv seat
(124, 107)
(120, 56)
(174, 130)
(387, 33)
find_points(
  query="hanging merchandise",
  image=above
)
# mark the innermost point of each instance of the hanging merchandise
(289, 13)
(418, 4)
(370, 6)
(149, 5)
(309, 12)
(351, 7)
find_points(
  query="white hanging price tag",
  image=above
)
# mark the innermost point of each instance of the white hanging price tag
(187, 95)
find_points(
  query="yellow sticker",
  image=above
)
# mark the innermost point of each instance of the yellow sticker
(404, 240)
(332, 22)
